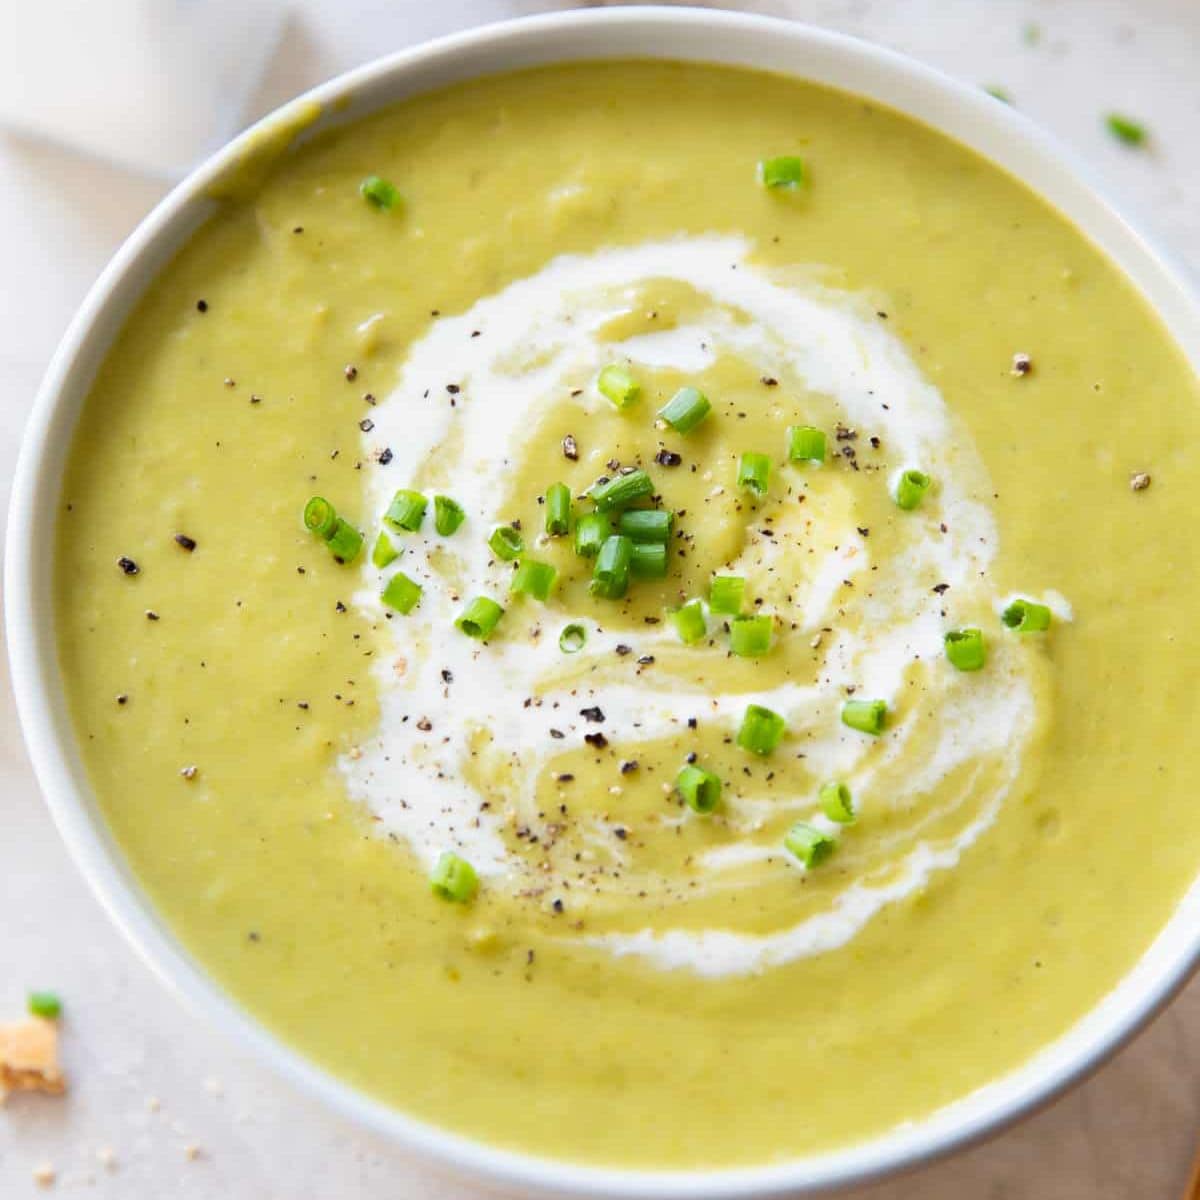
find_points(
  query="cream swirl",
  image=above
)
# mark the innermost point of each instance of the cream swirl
(963, 740)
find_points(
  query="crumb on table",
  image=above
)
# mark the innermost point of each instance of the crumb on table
(29, 1058)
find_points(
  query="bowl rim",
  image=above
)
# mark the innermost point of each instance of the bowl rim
(990, 129)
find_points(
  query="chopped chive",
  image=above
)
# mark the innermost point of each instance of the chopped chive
(700, 789)
(646, 524)
(379, 193)
(806, 444)
(506, 543)
(754, 473)
(726, 593)
(558, 509)
(44, 1004)
(867, 716)
(1026, 616)
(533, 578)
(761, 730)
(448, 515)
(783, 171)
(999, 93)
(836, 802)
(572, 639)
(618, 385)
(911, 489)
(750, 637)
(320, 517)
(621, 491)
(590, 531)
(406, 511)
(685, 410)
(401, 593)
(454, 878)
(345, 543)
(610, 577)
(385, 551)
(1126, 129)
(479, 618)
(809, 845)
(689, 622)
(965, 649)
(648, 560)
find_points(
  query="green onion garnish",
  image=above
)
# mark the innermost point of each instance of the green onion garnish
(590, 531)
(809, 845)
(700, 789)
(621, 491)
(533, 578)
(346, 542)
(320, 517)
(1026, 616)
(558, 509)
(618, 385)
(965, 649)
(685, 410)
(506, 543)
(610, 577)
(646, 524)
(998, 93)
(384, 551)
(454, 878)
(754, 473)
(406, 511)
(44, 1004)
(479, 618)
(448, 515)
(867, 716)
(379, 193)
(761, 731)
(784, 171)
(572, 639)
(1125, 129)
(648, 560)
(726, 593)
(911, 489)
(806, 444)
(689, 622)
(401, 593)
(836, 802)
(750, 637)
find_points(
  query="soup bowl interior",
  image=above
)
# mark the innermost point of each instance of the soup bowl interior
(962, 113)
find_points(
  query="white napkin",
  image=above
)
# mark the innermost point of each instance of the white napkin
(150, 84)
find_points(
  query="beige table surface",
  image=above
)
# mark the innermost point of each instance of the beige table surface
(162, 1107)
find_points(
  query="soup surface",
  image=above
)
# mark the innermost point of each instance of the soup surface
(647, 972)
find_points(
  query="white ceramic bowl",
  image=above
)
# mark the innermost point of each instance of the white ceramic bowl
(960, 111)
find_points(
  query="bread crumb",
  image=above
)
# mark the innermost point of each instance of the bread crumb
(44, 1175)
(29, 1058)
(192, 1152)
(1139, 481)
(107, 1158)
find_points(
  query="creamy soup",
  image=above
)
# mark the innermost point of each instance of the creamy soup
(745, 703)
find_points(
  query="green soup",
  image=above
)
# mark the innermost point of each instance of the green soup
(639, 980)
